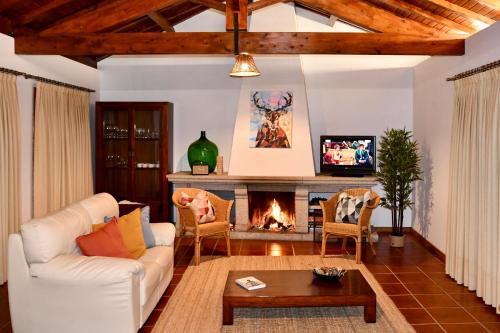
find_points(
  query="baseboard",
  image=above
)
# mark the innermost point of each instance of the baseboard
(389, 229)
(428, 245)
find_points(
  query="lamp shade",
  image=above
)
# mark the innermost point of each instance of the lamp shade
(244, 66)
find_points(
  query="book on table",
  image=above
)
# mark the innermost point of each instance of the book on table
(250, 283)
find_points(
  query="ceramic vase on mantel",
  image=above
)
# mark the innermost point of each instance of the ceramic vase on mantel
(203, 152)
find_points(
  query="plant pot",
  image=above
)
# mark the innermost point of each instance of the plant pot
(397, 241)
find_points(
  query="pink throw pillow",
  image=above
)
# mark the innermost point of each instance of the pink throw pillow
(200, 205)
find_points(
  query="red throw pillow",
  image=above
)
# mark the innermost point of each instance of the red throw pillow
(105, 242)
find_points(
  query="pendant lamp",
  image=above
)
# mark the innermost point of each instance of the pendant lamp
(244, 65)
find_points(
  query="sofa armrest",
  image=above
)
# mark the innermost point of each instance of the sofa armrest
(164, 233)
(97, 270)
(78, 294)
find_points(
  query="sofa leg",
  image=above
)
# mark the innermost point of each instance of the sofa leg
(228, 244)
(197, 251)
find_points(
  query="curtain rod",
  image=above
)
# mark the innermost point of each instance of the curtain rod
(43, 79)
(476, 70)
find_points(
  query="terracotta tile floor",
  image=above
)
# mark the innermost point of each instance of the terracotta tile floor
(411, 276)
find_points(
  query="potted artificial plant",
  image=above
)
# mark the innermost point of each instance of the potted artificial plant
(399, 167)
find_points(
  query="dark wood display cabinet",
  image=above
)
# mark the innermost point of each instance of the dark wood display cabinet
(134, 153)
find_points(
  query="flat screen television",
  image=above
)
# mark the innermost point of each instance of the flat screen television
(348, 155)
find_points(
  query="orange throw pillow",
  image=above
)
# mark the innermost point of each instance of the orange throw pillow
(131, 230)
(105, 242)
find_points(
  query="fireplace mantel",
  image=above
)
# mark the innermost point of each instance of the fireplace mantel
(240, 185)
(318, 183)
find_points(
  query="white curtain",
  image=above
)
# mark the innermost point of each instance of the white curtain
(62, 150)
(10, 212)
(473, 234)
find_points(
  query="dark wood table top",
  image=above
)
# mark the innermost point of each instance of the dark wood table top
(291, 283)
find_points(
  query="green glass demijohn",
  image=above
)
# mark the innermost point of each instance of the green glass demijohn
(203, 152)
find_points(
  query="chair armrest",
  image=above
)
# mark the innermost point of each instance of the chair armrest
(94, 270)
(164, 233)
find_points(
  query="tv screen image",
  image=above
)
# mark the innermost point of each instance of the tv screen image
(348, 154)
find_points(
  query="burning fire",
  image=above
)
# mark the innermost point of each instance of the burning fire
(275, 219)
(277, 214)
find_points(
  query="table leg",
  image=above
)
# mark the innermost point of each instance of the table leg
(371, 312)
(227, 313)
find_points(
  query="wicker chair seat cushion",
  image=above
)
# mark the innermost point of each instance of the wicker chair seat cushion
(349, 207)
(212, 228)
(200, 205)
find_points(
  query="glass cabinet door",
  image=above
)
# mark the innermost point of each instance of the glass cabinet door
(147, 153)
(116, 152)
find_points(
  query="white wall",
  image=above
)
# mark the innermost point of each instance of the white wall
(52, 67)
(345, 94)
(433, 109)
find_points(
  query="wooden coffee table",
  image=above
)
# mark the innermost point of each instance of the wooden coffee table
(298, 289)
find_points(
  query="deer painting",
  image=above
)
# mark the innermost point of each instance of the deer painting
(271, 118)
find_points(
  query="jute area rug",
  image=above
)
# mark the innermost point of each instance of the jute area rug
(196, 304)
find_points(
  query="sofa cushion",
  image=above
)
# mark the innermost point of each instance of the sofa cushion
(105, 242)
(100, 205)
(151, 279)
(147, 233)
(164, 233)
(161, 255)
(47, 237)
(75, 268)
(131, 231)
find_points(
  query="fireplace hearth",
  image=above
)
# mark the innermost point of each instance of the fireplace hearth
(271, 211)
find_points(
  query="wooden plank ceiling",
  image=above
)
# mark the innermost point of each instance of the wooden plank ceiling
(90, 30)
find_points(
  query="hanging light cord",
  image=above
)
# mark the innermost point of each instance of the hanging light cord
(236, 35)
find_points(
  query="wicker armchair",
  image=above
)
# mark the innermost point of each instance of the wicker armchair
(219, 226)
(356, 231)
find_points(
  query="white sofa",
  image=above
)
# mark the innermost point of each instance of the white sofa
(54, 288)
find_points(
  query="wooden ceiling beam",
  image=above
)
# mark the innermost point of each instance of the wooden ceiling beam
(6, 26)
(107, 15)
(222, 43)
(214, 4)
(431, 16)
(493, 4)
(463, 11)
(370, 17)
(161, 21)
(240, 7)
(263, 3)
(32, 15)
(6, 4)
